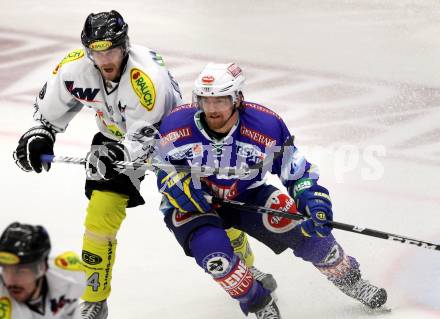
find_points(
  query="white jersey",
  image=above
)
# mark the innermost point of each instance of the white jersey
(66, 283)
(124, 111)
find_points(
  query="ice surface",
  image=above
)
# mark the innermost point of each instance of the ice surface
(349, 77)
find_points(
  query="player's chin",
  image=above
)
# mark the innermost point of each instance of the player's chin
(215, 123)
(109, 73)
(18, 294)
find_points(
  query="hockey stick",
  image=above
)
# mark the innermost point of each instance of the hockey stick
(336, 225)
(198, 170)
(201, 170)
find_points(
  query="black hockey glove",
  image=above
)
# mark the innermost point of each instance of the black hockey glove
(100, 159)
(34, 143)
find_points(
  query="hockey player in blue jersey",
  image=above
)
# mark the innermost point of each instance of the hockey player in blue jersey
(220, 129)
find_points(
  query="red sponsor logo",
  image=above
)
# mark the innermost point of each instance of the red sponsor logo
(207, 79)
(238, 281)
(222, 191)
(234, 69)
(176, 135)
(257, 137)
(197, 149)
(136, 75)
(282, 202)
(180, 217)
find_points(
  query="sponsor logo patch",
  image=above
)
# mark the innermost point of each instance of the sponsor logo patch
(222, 191)
(69, 261)
(216, 263)
(5, 308)
(282, 202)
(335, 265)
(71, 56)
(189, 151)
(301, 186)
(8, 258)
(175, 135)
(100, 45)
(116, 131)
(42, 91)
(90, 258)
(180, 219)
(144, 88)
(157, 58)
(87, 94)
(334, 256)
(57, 305)
(257, 137)
(238, 281)
(207, 79)
(249, 152)
(234, 69)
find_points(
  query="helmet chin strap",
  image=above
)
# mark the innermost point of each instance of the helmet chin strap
(234, 109)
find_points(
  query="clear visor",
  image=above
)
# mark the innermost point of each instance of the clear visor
(22, 274)
(213, 103)
(106, 55)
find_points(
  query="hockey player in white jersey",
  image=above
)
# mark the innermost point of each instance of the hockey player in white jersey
(130, 91)
(32, 286)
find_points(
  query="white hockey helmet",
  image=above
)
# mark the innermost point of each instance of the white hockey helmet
(219, 80)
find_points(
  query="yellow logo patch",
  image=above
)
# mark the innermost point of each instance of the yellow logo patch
(69, 261)
(100, 45)
(5, 308)
(8, 259)
(143, 87)
(116, 131)
(72, 56)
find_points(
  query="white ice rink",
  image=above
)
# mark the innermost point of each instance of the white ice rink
(358, 83)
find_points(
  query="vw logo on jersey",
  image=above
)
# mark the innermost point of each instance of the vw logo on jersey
(82, 94)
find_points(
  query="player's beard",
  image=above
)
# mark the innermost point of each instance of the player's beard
(110, 72)
(19, 293)
(218, 121)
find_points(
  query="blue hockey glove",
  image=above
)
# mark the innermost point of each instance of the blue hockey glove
(34, 143)
(315, 203)
(181, 192)
(100, 159)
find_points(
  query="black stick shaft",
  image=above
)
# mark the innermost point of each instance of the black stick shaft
(336, 225)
